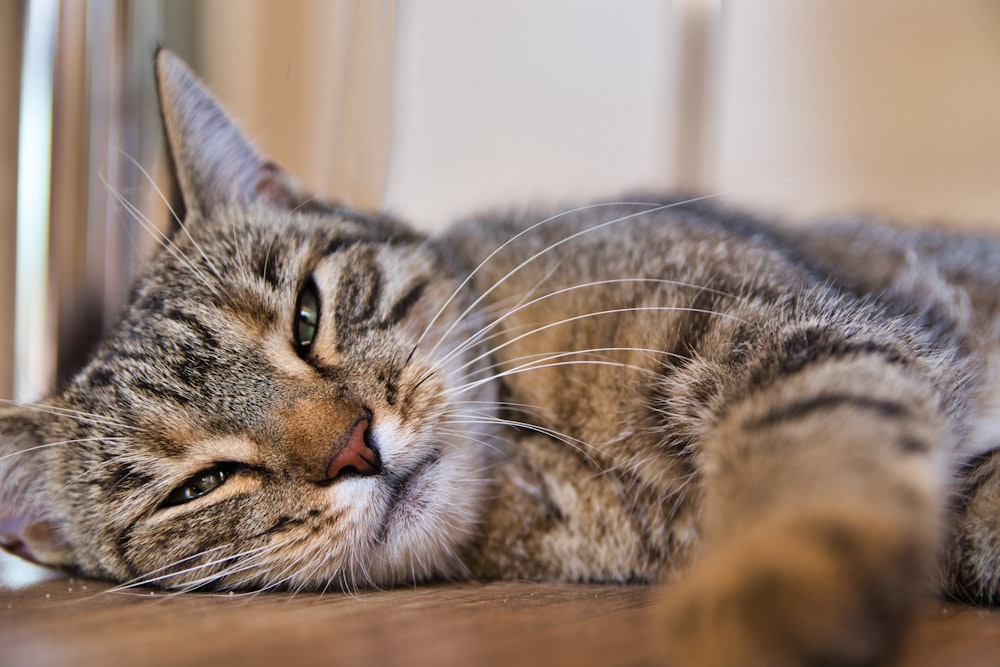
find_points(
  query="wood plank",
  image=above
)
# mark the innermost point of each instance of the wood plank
(67, 621)
(71, 621)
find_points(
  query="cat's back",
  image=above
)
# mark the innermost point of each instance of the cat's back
(624, 330)
(651, 297)
(679, 239)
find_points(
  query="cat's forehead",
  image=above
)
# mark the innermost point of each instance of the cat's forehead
(258, 241)
(242, 263)
(242, 244)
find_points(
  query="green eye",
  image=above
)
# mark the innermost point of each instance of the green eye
(196, 487)
(306, 317)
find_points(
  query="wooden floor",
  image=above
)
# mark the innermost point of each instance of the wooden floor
(77, 622)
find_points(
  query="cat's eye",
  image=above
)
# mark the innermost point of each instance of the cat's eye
(306, 317)
(201, 484)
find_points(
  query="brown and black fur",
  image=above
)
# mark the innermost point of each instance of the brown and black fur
(794, 431)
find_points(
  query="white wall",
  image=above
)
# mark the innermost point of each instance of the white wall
(802, 106)
(521, 100)
(890, 106)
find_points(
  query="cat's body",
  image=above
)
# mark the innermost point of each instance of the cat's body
(650, 360)
(304, 397)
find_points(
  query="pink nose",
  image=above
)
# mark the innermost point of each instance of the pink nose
(356, 454)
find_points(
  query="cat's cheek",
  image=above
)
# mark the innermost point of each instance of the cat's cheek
(404, 446)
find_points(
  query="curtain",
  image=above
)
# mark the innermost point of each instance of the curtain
(309, 82)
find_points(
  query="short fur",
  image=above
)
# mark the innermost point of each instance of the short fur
(795, 429)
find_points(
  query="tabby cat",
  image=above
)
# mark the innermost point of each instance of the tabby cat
(793, 430)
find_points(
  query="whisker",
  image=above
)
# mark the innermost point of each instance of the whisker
(141, 580)
(542, 364)
(59, 444)
(652, 208)
(368, 577)
(173, 214)
(610, 311)
(515, 371)
(163, 239)
(656, 281)
(146, 580)
(77, 415)
(301, 204)
(152, 182)
(577, 444)
(469, 438)
(509, 405)
(500, 248)
(307, 577)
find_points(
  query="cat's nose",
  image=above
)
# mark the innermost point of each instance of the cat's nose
(357, 454)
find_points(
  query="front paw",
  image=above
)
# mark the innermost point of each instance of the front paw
(816, 591)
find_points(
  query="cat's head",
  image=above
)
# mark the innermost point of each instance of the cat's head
(278, 406)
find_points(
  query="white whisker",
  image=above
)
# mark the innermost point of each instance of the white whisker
(610, 311)
(163, 239)
(180, 223)
(146, 580)
(60, 444)
(651, 208)
(76, 415)
(655, 281)
(577, 444)
(541, 359)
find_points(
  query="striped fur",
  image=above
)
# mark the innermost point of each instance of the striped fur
(793, 430)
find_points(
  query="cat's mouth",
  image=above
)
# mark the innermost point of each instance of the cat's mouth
(405, 491)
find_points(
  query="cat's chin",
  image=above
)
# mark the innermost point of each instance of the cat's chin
(408, 493)
(429, 514)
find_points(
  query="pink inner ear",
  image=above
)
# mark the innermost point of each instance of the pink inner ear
(32, 538)
(274, 186)
(12, 529)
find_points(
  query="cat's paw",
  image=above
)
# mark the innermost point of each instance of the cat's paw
(809, 591)
(973, 555)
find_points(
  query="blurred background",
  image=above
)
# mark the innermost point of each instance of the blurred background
(436, 108)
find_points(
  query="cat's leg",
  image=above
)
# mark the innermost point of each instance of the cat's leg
(972, 559)
(822, 507)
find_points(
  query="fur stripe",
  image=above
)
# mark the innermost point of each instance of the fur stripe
(358, 295)
(825, 402)
(159, 390)
(282, 524)
(207, 336)
(810, 345)
(337, 245)
(267, 265)
(403, 306)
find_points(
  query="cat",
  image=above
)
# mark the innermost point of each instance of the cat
(792, 431)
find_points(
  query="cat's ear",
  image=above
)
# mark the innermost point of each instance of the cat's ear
(27, 524)
(213, 162)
